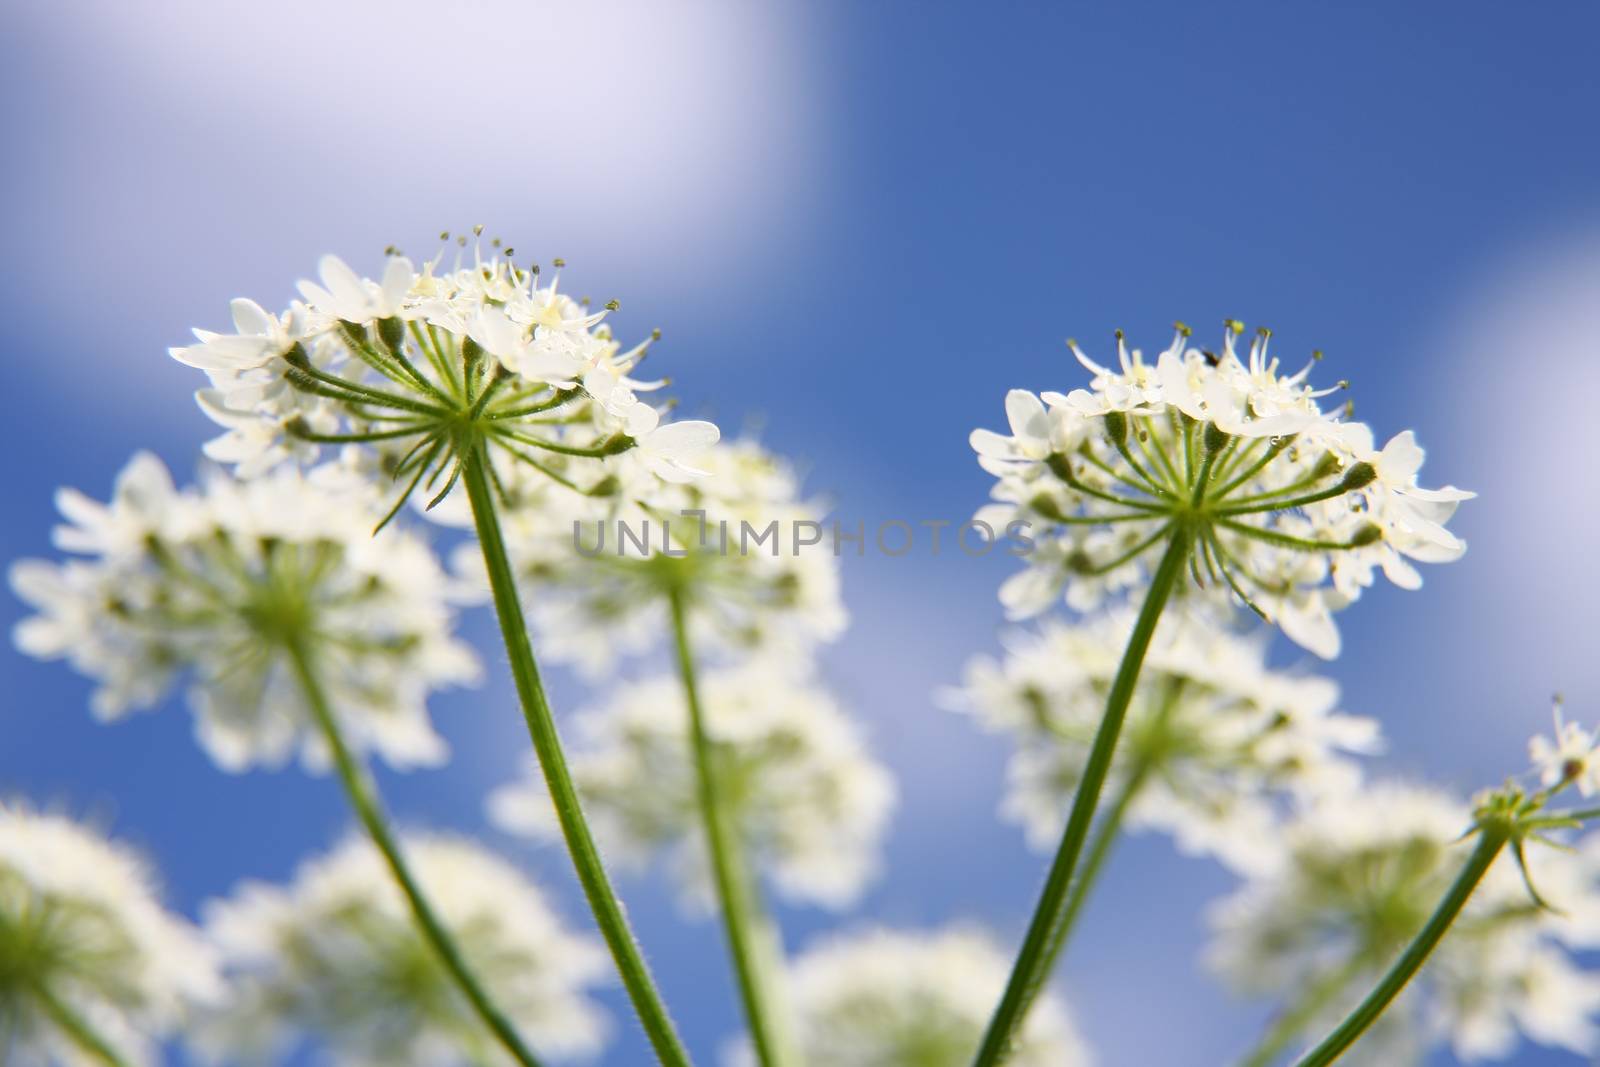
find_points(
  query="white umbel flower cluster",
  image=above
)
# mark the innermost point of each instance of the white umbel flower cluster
(1356, 879)
(876, 997)
(335, 958)
(1214, 739)
(211, 583)
(429, 367)
(596, 569)
(1289, 508)
(85, 943)
(795, 777)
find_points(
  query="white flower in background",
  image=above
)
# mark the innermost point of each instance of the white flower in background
(335, 958)
(209, 585)
(809, 802)
(425, 368)
(878, 997)
(1287, 508)
(85, 944)
(595, 567)
(1357, 876)
(1213, 738)
(1570, 756)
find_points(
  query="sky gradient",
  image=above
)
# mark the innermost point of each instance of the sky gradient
(858, 225)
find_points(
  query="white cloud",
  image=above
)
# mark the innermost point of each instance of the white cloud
(660, 116)
(1519, 364)
(196, 150)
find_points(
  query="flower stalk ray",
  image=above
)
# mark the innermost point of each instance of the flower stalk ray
(585, 854)
(754, 943)
(1034, 958)
(363, 797)
(76, 1027)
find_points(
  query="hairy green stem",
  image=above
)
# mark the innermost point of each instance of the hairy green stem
(1492, 838)
(1033, 960)
(753, 941)
(363, 797)
(1293, 1020)
(1105, 836)
(76, 1027)
(597, 888)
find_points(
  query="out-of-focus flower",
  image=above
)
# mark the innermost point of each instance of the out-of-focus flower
(87, 952)
(335, 958)
(1570, 756)
(213, 583)
(877, 997)
(797, 782)
(741, 543)
(1357, 877)
(429, 369)
(1286, 507)
(1213, 737)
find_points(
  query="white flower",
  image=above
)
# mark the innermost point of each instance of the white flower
(1213, 738)
(800, 787)
(1422, 512)
(1032, 434)
(878, 997)
(1357, 876)
(519, 351)
(595, 566)
(425, 369)
(335, 957)
(212, 584)
(346, 296)
(1283, 506)
(83, 935)
(143, 501)
(1572, 755)
(259, 337)
(672, 452)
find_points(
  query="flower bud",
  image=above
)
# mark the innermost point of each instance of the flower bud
(1369, 534)
(1047, 507)
(393, 333)
(1359, 477)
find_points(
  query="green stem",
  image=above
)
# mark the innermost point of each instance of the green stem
(302, 374)
(1294, 1019)
(1151, 485)
(752, 941)
(597, 888)
(363, 797)
(1492, 838)
(1031, 967)
(1254, 468)
(76, 1027)
(1244, 508)
(551, 446)
(1131, 554)
(1576, 815)
(1105, 836)
(1285, 540)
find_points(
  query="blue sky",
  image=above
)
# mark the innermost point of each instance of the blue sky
(858, 225)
